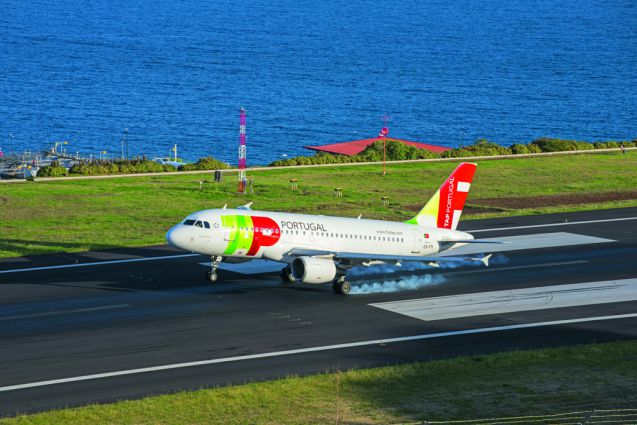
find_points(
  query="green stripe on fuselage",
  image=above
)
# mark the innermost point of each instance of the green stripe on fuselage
(230, 221)
(240, 235)
(245, 235)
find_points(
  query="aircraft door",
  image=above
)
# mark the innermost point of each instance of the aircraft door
(228, 233)
(417, 241)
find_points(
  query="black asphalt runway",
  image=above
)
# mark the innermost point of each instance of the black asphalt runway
(59, 323)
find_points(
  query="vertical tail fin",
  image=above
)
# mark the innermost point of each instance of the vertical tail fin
(444, 208)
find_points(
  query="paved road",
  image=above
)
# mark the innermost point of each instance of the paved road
(77, 322)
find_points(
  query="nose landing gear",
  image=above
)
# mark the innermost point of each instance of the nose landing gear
(212, 275)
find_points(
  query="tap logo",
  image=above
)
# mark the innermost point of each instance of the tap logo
(248, 233)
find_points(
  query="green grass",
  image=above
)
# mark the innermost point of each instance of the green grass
(63, 216)
(536, 382)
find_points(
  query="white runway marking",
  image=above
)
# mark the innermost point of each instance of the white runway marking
(310, 350)
(250, 267)
(514, 300)
(503, 269)
(566, 223)
(99, 263)
(60, 312)
(535, 241)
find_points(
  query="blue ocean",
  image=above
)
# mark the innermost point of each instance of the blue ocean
(311, 73)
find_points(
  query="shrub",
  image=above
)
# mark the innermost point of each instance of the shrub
(519, 149)
(52, 171)
(100, 167)
(482, 147)
(206, 163)
(547, 144)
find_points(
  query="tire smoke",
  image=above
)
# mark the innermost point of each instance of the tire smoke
(408, 283)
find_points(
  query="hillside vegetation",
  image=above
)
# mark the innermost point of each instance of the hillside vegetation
(397, 151)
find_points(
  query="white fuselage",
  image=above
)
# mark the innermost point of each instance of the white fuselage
(240, 233)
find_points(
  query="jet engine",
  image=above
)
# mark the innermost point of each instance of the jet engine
(313, 270)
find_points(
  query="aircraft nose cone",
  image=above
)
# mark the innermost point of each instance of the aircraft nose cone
(172, 237)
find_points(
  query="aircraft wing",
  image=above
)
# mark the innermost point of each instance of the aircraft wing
(366, 257)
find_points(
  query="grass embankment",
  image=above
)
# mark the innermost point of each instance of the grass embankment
(537, 382)
(57, 216)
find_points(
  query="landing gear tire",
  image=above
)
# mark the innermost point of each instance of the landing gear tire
(287, 276)
(212, 275)
(342, 287)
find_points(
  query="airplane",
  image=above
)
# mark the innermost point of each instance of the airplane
(320, 249)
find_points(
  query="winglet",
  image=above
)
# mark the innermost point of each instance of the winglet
(246, 206)
(485, 260)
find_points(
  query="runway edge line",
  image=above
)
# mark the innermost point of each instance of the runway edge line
(310, 350)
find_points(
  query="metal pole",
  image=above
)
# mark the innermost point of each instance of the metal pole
(126, 137)
(384, 156)
(383, 133)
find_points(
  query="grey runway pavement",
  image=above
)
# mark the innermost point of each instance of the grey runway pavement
(103, 326)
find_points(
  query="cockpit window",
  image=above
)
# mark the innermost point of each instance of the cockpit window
(189, 222)
(199, 224)
(206, 225)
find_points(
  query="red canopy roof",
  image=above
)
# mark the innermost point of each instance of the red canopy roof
(357, 146)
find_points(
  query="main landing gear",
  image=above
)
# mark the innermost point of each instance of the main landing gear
(341, 286)
(212, 275)
(286, 275)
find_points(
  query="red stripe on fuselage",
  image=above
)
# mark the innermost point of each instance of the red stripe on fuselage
(266, 233)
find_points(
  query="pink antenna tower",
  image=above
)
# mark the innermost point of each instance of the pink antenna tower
(242, 150)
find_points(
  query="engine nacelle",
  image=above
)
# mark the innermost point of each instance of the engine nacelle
(313, 270)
